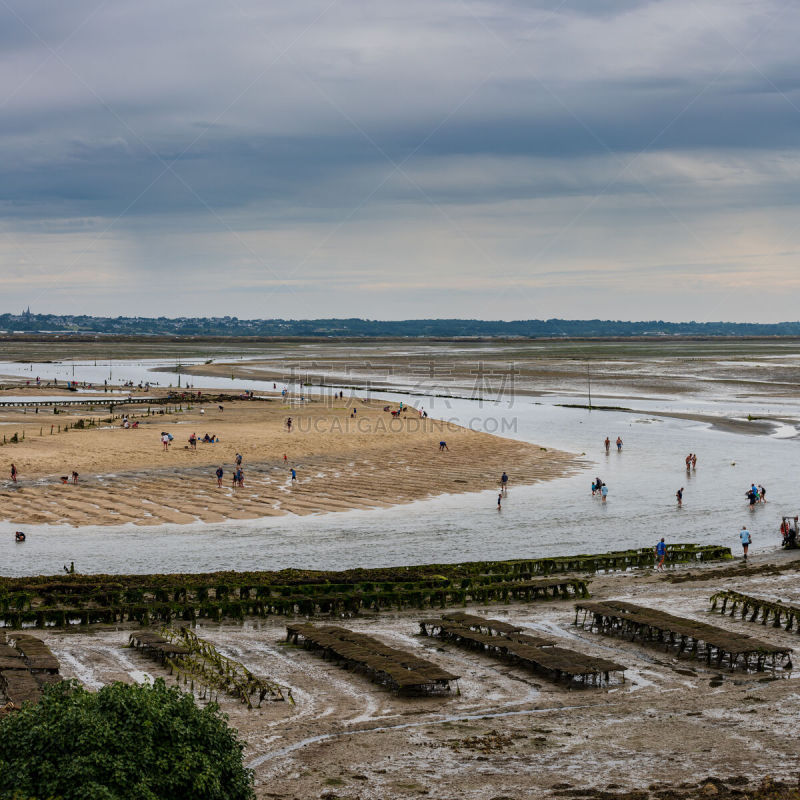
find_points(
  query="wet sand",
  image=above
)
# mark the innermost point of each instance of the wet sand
(618, 374)
(751, 427)
(343, 462)
(509, 733)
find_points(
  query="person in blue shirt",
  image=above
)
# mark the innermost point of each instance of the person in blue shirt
(294, 475)
(744, 535)
(604, 492)
(661, 554)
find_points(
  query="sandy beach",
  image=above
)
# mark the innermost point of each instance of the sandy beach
(670, 727)
(343, 460)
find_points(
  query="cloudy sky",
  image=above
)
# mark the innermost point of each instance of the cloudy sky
(405, 158)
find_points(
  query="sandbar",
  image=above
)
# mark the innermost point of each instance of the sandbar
(354, 456)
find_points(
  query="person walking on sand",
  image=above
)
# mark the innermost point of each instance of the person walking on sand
(294, 474)
(238, 459)
(13, 473)
(661, 554)
(604, 492)
(219, 473)
(74, 477)
(744, 535)
(165, 441)
(193, 441)
(504, 482)
(619, 443)
(608, 444)
(443, 446)
(289, 425)
(679, 495)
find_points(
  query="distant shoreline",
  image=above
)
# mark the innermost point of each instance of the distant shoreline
(85, 336)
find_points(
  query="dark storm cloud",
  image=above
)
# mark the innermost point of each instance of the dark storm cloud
(105, 104)
(330, 143)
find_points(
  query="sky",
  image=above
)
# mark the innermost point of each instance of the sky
(513, 159)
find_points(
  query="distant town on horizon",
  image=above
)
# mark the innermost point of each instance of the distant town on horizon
(31, 323)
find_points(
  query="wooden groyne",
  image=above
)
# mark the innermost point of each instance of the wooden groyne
(509, 643)
(111, 403)
(398, 670)
(155, 646)
(684, 636)
(783, 615)
(194, 660)
(26, 666)
(71, 600)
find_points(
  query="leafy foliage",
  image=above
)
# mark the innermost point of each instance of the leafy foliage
(125, 742)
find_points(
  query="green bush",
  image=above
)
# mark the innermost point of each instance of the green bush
(147, 742)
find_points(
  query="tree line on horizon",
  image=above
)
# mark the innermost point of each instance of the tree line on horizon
(411, 328)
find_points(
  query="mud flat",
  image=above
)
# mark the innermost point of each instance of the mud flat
(344, 459)
(673, 723)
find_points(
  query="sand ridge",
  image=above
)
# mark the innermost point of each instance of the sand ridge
(344, 460)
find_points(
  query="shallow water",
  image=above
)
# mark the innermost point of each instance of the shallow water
(556, 517)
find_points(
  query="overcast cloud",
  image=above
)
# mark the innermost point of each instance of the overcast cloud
(584, 158)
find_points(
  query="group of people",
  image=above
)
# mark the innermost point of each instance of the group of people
(599, 487)
(64, 478)
(207, 439)
(401, 409)
(756, 494)
(608, 443)
(237, 475)
(503, 489)
(691, 463)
